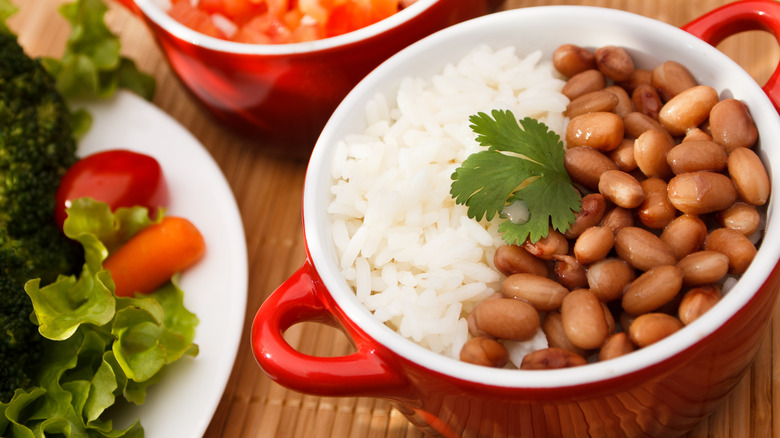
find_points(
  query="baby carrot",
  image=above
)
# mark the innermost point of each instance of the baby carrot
(152, 256)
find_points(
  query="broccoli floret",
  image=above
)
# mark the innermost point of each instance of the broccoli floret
(36, 148)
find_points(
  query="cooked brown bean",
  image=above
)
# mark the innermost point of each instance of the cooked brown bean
(671, 306)
(703, 267)
(650, 328)
(583, 319)
(584, 82)
(671, 78)
(652, 289)
(551, 358)
(688, 109)
(646, 100)
(552, 326)
(731, 125)
(609, 317)
(599, 130)
(593, 245)
(542, 293)
(749, 176)
(737, 247)
(621, 188)
(685, 234)
(742, 217)
(624, 105)
(585, 166)
(592, 209)
(639, 77)
(656, 211)
(698, 301)
(484, 351)
(594, 101)
(623, 155)
(636, 123)
(701, 192)
(570, 273)
(617, 218)
(615, 346)
(607, 278)
(696, 134)
(505, 318)
(643, 146)
(615, 62)
(650, 151)
(514, 259)
(548, 247)
(696, 155)
(642, 249)
(471, 320)
(705, 127)
(570, 59)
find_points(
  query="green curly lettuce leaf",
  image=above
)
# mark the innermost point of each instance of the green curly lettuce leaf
(92, 65)
(100, 349)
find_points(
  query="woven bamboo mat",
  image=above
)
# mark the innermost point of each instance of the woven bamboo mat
(268, 190)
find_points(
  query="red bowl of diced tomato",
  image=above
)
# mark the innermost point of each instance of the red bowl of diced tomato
(276, 69)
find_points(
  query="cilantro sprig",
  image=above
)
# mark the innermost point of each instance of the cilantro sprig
(521, 164)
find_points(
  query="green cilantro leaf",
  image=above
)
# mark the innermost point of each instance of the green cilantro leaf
(521, 164)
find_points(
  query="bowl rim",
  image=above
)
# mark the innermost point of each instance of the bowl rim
(153, 10)
(314, 208)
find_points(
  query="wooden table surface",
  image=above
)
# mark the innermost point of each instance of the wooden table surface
(268, 191)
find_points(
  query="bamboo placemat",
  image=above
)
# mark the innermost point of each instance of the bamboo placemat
(268, 190)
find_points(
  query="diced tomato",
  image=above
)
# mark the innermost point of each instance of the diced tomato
(192, 17)
(344, 18)
(381, 9)
(283, 21)
(277, 8)
(348, 16)
(316, 9)
(211, 6)
(263, 29)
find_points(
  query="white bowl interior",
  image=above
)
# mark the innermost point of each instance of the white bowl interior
(155, 11)
(650, 42)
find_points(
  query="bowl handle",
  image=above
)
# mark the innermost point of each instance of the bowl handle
(740, 16)
(298, 299)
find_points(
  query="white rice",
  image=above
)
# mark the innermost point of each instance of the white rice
(412, 255)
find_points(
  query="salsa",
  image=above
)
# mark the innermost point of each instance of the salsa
(280, 21)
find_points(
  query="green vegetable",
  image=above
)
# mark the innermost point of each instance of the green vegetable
(101, 350)
(7, 9)
(521, 165)
(36, 148)
(92, 65)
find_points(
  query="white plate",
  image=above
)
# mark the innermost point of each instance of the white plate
(183, 402)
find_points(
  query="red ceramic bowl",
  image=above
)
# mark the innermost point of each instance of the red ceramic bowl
(283, 94)
(662, 390)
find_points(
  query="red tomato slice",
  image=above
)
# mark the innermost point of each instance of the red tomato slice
(119, 177)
